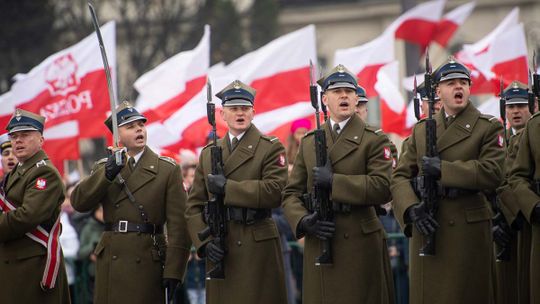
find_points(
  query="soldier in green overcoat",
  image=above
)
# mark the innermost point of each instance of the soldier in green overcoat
(357, 175)
(136, 262)
(255, 172)
(509, 233)
(34, 191)
(470, 160)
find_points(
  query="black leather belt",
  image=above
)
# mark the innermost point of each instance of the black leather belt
(247, 216)
(445, 192)
(125, 226)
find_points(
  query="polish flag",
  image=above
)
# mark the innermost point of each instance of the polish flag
(61, 143)
(172, 95)
(393, 109)
(279, 71)
(502, 53)
(366, 60)
(419, 24)
(450, 23)
(6, 110)
(70, 85)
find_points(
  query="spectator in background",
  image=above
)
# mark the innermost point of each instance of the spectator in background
(299, 128)
(90, 236)
(69, 240)
(8, 158)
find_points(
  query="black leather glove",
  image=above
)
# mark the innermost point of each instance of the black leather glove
(216, 184)
(501, 231)
(111, 168)
(310, 224)
(323, 176)
(535, 216)
(171, 285)
(423, 221)
(432, 166)
(214, 252)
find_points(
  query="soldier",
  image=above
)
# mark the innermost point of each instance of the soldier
(361, 105)
(31, 261)
(357, 175)
(255, 172)
(424, 98)
(135, 261)
(8, 158)
(510, 272)
(524, 179)
(470, 159)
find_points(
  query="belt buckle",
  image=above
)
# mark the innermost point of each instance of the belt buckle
(122, 226)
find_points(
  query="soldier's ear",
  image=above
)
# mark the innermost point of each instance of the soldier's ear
(324, 99)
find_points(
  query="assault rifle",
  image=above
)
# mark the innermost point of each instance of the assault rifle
(215, 211)
(429, 185)
(320, 197)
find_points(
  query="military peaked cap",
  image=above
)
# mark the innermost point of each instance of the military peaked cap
(4, 142)
(237, 93)
(516, 93)
(125, 113)
(338, 77)
(361, 92)
(452, 70)
(421, 89)
(25, 121)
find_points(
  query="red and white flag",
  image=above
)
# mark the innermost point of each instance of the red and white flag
(418, 25)
(393, 108)
(450, 23)
(6, 110)
(502, 53)
(172, 96)
(70, 85)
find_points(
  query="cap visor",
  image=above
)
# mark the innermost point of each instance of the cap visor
(454, 76)
(516, 101)
(338, 85)
(237, 102)
(23, 128)
(132, 119)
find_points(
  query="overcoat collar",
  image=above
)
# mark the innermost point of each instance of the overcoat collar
(19, 171)
(144, 172)
(348, 140)
(243, 152)
(458, 130)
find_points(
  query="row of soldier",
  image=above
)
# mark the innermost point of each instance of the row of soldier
(152, 223)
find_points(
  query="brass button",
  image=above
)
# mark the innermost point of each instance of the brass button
(114, 257)
(451, 222)
(346, 235)
(239, 243)
(138, 261)
(116, 205)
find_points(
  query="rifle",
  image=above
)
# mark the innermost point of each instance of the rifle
(416, 100)
(429, 185)
(215, 211)
(534, 83)
(112, 96)
(320, 197)
(323, 106)
(502, 110)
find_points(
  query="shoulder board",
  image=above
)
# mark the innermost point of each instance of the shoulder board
(41, 163)
(269, 138)
(168, 159)
(207, 145)
(309, 133)
(377, 131)
(535, 114)
(488, 117)
(101, 161)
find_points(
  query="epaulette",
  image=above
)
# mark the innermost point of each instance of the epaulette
(488, 117)
(41, 163)
(169, 160)
(271, 139)
(309, 133)
(375, 130)
(535, 114)
(101, 161)
(207, 145)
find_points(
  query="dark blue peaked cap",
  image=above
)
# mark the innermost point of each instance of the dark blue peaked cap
(25, 121)
(237, 93)
(516, 93)
(338, 77)
(125, 113)
(361, 92)
(452, 70)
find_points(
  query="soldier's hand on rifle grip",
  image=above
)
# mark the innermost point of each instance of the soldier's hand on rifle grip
(171, 285)
(423, 221)
(216, 184)
(111, 167)
(501, 232)
(323, 230)
(214, 252)
(535, 216)
(323, 176)
(432, 166)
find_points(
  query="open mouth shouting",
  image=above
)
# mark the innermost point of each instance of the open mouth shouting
(344, 105)
(11, 164)
(139, 138)
(458, 97)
